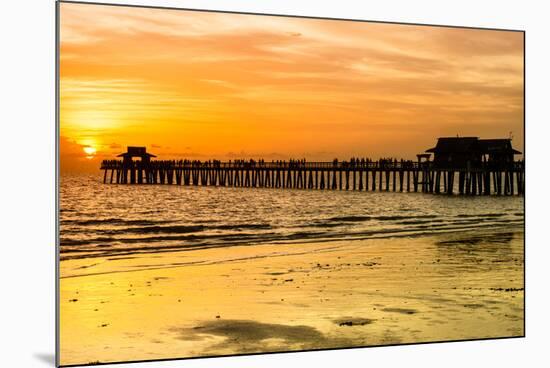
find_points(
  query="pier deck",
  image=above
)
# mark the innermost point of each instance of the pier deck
(381, 175)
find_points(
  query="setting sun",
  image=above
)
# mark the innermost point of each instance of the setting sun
(90, 151)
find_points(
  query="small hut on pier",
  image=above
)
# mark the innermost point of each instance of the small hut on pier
(456, 152)
(498, 151)
(463, 152)
(135, 152)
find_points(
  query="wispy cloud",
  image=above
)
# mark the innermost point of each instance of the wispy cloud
(239, 83)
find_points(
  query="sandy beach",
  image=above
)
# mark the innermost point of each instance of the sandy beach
(274, 297)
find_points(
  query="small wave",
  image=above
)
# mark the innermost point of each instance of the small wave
(359, 218)
(350, 218)
(417, 222)
(71, 242)
(154, 239)
(241, 226)
(173, 229)
(391, 218)
(326, 224)
(397, 217)
(114, 221)
(481, 215)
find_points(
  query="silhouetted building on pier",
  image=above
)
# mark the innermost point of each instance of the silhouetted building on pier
(140, 152)
(498, 151)
(463, 152)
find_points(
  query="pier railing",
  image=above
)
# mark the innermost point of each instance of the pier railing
(364, 175)
(175, 164)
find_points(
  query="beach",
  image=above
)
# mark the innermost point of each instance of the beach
(234, 183)
(455, 285)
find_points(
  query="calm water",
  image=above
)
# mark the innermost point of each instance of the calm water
(102, 220)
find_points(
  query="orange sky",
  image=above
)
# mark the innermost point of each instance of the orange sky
(213, 85)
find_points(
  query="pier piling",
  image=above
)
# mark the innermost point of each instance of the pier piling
(395, 176)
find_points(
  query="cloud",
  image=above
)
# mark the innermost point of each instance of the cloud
(260, 85)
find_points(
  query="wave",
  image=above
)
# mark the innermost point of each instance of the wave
(251, 239)
(350, 218)
(113, 221)
(150, 239)
(69, 245)
(482, 215)
(230, 232)
(358, 218)
(99, 220)
(170, 229)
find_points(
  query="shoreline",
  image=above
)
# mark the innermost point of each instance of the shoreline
(298, 296)
(389, 234)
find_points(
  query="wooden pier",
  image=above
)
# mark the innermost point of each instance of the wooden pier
(361, 175)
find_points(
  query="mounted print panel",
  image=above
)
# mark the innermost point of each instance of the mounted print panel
(241, 183)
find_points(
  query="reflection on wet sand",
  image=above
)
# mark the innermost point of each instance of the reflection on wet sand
(293, 297)
(501, 238)
(251, 336)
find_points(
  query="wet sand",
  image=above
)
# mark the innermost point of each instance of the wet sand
(282, 297)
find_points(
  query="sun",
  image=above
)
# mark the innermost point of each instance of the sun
(89, 151)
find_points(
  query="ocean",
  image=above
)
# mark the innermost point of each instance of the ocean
(98, 220)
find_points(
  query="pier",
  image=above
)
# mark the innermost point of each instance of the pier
(423, 175)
